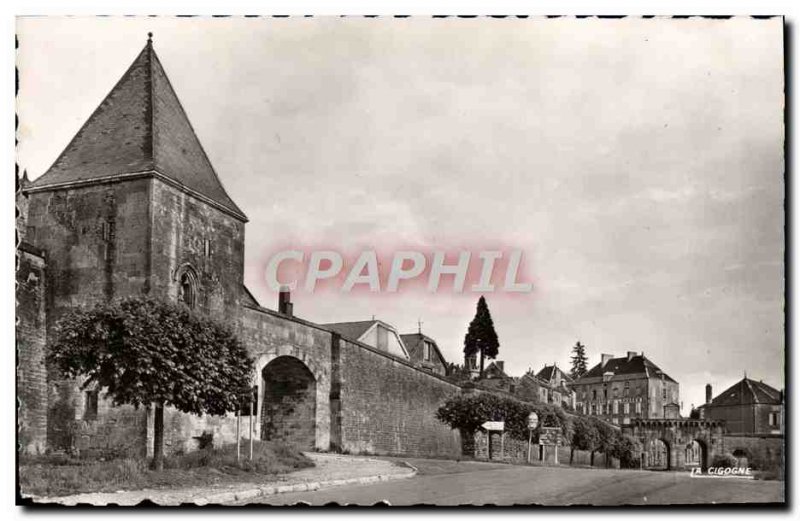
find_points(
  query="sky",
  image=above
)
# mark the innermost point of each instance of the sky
(637, 164)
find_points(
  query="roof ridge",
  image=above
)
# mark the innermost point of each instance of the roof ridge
(140, 125)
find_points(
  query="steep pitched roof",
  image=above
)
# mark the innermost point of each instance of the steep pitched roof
(140, 127)
(413, 342)
(549, 372)
(748, 392)
(638, 364)
(353, 330)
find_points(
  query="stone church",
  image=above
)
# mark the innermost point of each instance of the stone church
(133, 206)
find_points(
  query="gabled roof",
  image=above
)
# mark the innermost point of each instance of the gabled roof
(413, 342)
(140, 128)
(549, 372)
(494, 368)
(635, 365)
(353, 330)
(748, 392)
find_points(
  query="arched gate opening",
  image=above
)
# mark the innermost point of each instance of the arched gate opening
(289, 408)
(657, 455)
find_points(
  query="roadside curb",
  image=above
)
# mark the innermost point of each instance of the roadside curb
(271, 490)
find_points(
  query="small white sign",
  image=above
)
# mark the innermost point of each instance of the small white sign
(533, 420)
(494, 426)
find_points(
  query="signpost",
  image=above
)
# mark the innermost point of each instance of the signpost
(496, 426)
(549, 436)
(533, 422)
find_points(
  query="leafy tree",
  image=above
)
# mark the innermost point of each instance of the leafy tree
(584, 436)
(607, 439)
(694, 414)
(144, 351)
(481, 336)
(468, 412)
(626, 450)
(579, 360)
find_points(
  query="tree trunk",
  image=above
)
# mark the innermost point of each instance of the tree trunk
(591, 460)
(481, 373)
(571, 454)
(158, 438)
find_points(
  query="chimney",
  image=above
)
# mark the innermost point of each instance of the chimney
(708, 393)
(604, 358)
(631, 354)
(285, 302)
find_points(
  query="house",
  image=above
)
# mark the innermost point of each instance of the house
(374, 333)
(549, 385)
(424, 352)
(555, 376)
(746, 407)
(622, 388)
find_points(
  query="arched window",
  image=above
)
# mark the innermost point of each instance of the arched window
(187, 286)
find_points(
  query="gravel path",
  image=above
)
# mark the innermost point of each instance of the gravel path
(330, 470)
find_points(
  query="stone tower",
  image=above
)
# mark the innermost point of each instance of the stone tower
(133, 206)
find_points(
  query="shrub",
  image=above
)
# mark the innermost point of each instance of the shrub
(625, 450)
(468, 412)
(724, 460)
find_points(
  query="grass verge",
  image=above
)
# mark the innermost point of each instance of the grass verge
(59, 475)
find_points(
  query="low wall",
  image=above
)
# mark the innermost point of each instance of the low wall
(488, 446)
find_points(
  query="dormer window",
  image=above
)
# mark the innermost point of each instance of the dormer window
(426, 351)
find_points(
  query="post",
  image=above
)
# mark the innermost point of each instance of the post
(502, 444)
(252, 411)
(555, 457)
(238, 437)
(530, 436)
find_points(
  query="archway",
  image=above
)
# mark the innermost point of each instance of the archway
(657, 455)
(289, 408)
(696, 454)
(742, 457)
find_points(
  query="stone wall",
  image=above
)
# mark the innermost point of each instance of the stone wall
(388, 406)
(190, 234)
(761, 452)
(30, 341)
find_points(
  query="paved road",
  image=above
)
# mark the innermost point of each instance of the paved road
(453, 483)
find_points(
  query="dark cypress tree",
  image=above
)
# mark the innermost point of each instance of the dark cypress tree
(578, 360)
(481, 336)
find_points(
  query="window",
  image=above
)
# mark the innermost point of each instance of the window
(627, 389)
(207, 251)
(605, 391)
(616, 407)
(594, 409)
(626, 408)
(664, 393)
(594, 394)
(426, 351)
(773, 419)
(187, 289)
(383, 338)
(615, 421)
(90, 405)
(638, 407)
